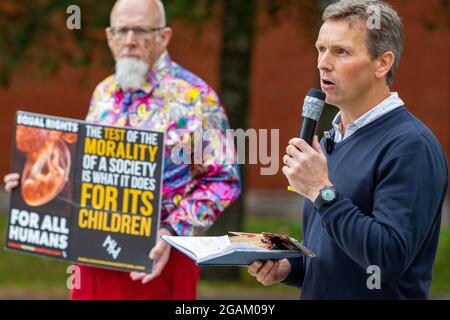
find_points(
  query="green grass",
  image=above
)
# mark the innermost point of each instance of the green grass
(36, 277)
(441, 271)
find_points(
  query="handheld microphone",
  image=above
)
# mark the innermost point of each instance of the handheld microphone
(312, 110)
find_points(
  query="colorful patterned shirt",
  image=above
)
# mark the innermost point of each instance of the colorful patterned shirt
(175, 101)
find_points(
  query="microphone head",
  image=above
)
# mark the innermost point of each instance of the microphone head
(316, 93)
(313, 104)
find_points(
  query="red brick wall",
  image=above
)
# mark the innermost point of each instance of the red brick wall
(283, 69)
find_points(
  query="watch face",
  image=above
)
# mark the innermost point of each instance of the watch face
(328, 194)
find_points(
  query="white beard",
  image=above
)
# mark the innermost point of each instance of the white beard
(131, 73)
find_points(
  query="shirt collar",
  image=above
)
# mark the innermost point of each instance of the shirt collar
(160, 69)
(386, 105)
(337, 122)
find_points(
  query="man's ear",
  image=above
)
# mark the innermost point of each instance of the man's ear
(109, 38)
(384, 64)
(164, 38)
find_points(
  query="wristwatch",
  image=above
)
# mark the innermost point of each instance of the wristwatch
(326, 197)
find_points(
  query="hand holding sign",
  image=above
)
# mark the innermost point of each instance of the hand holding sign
(160, 254)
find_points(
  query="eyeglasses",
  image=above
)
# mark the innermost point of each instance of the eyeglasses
(120, 33)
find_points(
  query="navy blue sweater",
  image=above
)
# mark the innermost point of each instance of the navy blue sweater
(392, 179)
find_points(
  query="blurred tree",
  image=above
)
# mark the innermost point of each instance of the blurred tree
(28, 28)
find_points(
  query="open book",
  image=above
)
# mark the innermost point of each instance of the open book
(238, 248)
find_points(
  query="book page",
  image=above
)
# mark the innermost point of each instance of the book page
(201, 247)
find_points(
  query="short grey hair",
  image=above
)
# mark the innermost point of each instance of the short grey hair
(389, 37)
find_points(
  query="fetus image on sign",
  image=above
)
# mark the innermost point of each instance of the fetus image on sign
(47, 165)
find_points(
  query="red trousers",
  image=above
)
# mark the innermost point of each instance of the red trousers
(178, 281)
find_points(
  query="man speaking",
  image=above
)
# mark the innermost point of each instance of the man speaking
(373, 202)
